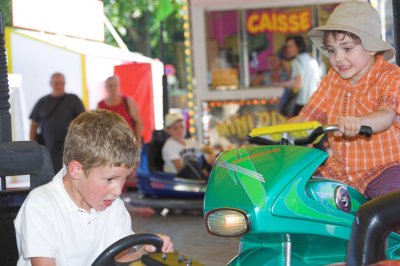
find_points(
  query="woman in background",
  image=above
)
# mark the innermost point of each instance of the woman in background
(122, 105)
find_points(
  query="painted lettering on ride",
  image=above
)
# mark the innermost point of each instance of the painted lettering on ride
(282, 22)
(239, 126)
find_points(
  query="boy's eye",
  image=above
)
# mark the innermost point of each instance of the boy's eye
(110, 179)
(330, 51)
(347, 49)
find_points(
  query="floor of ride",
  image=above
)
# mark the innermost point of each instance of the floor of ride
(188, 233)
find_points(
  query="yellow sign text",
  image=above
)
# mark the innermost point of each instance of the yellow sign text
(293, 22)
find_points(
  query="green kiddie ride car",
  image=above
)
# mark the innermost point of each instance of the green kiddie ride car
(266, 194)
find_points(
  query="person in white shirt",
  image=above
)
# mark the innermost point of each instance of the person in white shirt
(305, 74)
(182, 156)
(75, 217)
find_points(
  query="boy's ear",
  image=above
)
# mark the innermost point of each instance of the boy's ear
(75, 169)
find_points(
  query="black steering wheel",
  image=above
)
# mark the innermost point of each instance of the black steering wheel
(107, 257)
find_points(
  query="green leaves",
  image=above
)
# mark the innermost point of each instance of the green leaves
(164, 9)
(138, 24)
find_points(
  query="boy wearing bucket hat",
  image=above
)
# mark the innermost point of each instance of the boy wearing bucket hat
(361, 88)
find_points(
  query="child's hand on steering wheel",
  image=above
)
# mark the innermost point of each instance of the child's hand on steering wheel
(349, 126)
(168, 246)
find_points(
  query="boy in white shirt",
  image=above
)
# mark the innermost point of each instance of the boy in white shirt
(182, 156)
(77, 215)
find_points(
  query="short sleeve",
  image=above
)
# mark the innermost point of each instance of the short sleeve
(295, 70)
(34, 116)
(34, 231)
(169, 152)
(78, 106)
(389, 92)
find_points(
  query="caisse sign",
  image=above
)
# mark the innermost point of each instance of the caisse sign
(279, 21)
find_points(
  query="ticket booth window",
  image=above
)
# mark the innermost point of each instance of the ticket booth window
(223, 52)
(243, 47)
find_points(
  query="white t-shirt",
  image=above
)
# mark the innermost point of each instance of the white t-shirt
(49, 224)
(174, 150)
(307, 67)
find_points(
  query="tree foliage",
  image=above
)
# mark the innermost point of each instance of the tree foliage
(135, 22)
(5, 6)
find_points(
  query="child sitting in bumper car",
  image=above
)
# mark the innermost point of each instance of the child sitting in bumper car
(181, 156)
(73, 218)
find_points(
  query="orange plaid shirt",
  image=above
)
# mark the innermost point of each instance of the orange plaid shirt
(356, 161)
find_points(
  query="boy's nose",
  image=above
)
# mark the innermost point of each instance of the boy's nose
(117, 190)
(338, 56)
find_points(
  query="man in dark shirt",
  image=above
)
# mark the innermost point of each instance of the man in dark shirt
(51, 117)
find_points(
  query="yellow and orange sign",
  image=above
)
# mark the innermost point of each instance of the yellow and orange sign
(282, 22)
(239, 126)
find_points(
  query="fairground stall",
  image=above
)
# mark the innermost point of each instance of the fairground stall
(233, 41)
(44, 40)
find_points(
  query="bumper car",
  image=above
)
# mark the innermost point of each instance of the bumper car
(267, 194)
(158, 189)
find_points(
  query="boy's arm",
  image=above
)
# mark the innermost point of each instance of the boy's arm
(296, 119)
(379, 121)
(33, 131)
(40, 261)
(178, 164)
(295, 83)
(134, 113)
(296, 80)
(170, 152)
(34, 231)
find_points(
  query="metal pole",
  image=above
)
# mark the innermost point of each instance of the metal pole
(164, 77)
(396, 28)
(244, 47)
(5, 117)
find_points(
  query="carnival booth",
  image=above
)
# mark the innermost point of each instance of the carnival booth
(233, 43)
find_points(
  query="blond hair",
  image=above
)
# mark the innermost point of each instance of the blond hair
(100, 138)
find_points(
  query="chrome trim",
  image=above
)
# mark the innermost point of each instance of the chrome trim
(242, 170)
(287, 250)
(330, 128)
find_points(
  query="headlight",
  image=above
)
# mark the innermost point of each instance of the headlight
(227, 222)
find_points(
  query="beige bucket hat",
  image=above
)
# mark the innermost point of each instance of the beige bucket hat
(358, 18)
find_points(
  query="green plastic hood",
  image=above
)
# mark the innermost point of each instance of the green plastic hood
(250, 178)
